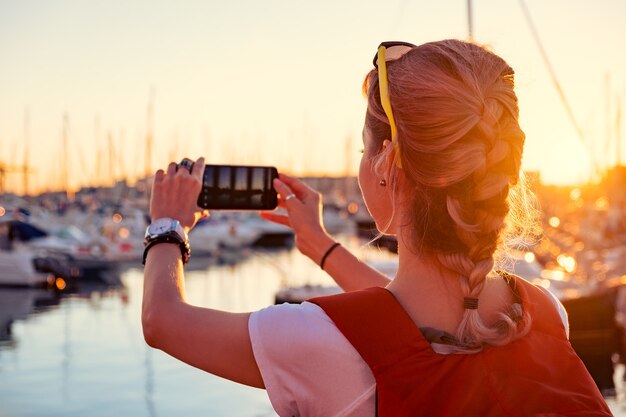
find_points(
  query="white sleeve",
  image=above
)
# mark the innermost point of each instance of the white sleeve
(308, 367)
(560, 308)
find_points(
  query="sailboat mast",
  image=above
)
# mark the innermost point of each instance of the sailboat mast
(64, 160)
(470, 25)
(25, 167)
(111, 157)
(149, 133)
(98, 173)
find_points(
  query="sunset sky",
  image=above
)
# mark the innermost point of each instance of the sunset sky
(279, 82)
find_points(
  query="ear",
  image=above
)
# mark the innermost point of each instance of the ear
(390, 155)
(389, 164)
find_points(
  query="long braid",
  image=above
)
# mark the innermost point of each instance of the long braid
(461, 146)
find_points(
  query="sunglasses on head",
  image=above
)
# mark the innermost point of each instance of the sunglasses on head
(392, 50)
(387, 52)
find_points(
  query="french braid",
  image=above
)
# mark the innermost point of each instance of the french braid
(460, 146)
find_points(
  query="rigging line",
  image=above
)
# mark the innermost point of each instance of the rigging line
(555, 80)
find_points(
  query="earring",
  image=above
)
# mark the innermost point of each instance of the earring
(383, 183)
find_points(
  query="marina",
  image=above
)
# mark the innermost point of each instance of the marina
(473, 99)
(75, 332)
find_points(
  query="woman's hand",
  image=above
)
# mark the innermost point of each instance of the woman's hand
(175, 194)
(304, 216)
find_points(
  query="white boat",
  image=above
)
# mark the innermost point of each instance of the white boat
(299, 294)
(66, 257)
(270, 233)
(17, 268)
(208, 237)
(18, 263)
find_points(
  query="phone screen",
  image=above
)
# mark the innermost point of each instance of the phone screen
(238, 187)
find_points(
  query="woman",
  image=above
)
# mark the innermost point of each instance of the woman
(448, 335)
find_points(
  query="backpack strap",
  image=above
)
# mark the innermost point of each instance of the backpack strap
(538, 305)
(375, 324)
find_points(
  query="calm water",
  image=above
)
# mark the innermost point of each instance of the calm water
(83, 354)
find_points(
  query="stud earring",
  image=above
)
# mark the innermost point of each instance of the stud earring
(383, 183)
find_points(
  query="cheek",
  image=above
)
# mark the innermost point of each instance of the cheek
(368, 185)
(365, 179)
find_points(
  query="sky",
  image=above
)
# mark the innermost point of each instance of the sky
(277, 82)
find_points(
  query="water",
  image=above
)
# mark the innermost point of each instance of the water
(83, 354)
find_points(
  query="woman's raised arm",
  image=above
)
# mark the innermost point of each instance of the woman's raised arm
(215, 341)
(304, 215)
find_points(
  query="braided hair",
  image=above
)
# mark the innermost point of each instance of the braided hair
(460, 146)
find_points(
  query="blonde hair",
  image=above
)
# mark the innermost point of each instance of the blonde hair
(460, 146)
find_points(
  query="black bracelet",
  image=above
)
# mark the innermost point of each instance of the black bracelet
(332, 248)
(185, 250)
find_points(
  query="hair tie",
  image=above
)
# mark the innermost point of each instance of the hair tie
(470, 303)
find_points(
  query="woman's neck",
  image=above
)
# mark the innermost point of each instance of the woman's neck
(432, 294)
(420, 268)
(428, 292)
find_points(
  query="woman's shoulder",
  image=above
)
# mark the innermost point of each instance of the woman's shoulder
(305, 327)
(303, 357)
(304, 320)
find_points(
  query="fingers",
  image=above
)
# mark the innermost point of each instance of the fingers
(171, 169)
(184, 167)
(300, 188)
(160, 174)
(284, 191)
(198, 168)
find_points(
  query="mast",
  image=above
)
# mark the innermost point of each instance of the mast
(111, 157)
(64, 159)
(149, 133)
(470, 25)
(25, 167)
(121, 162)
(98, 149)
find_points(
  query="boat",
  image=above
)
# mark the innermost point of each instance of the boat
(522, 264)
(297, 295)
(65, 257)
(211, 235)
(18, 264)
(19, 268)
(270, 234)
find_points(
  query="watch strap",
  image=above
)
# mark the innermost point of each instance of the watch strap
(171, 237)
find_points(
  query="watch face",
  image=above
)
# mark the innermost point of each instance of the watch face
(160, 226)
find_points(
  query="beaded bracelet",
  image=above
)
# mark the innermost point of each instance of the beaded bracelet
(332, 248)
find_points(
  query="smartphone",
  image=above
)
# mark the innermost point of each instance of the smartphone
(238, 187)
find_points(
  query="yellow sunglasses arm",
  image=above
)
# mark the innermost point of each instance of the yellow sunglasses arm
(384, 99)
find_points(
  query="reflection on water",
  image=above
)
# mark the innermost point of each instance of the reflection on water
(83, 354)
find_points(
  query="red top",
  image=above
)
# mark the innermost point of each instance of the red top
(536, 375)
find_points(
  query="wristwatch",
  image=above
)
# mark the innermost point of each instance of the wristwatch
(166, 230)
